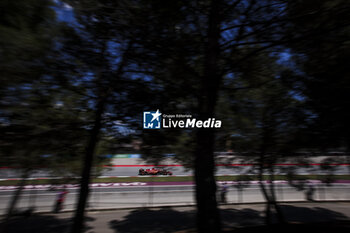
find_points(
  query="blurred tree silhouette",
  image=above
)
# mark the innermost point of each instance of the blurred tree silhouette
(43, 119)
(321, 70)
(98, 51)
(193, 49)
(26, 28)
(264, 120)
(67, 86)
(186, 52)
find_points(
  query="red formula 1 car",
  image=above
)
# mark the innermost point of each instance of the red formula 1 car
(154, 171)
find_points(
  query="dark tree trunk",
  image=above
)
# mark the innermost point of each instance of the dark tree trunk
(280, 215)
(104, 93)
(208, 218)
(14, 200)
(269, 195)
(264, 191)
(86, 173)
(17, 195)
(268, 220)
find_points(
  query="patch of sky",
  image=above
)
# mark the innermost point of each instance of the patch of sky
(92, 104)
(88, 77)
(4, 121)
(137, 73)
(311, 115)
(283, 57)
(230, 31)
(229, 78)
(236, 135)
(296, 95)
(118, 127)
(114, 50)
(260, 9)
(27, 86)
(64, 12)
(58, 104)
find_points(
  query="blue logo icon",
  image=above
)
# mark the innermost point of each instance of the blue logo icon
(151, 120)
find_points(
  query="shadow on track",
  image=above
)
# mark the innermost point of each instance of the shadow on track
(41, 223)
(234, 220)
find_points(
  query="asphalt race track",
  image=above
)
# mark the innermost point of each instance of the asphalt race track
(147, 194)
